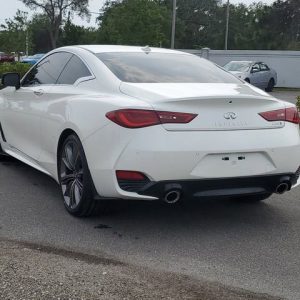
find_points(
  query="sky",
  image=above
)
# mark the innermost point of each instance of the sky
(9, 8)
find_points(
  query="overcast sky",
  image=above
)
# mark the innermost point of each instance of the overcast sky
(8, 9)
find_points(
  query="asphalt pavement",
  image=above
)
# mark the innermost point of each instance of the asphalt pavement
(253, 247)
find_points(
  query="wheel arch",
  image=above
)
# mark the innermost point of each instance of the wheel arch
(66, 132)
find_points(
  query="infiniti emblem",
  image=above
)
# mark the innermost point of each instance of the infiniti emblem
(230, 116)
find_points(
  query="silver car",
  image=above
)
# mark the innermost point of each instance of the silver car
(256, 73)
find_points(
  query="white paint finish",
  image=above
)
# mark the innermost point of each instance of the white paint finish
(169, 152)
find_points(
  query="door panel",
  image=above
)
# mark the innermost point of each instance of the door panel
(21, 121)
(255, 78)
(25, 106)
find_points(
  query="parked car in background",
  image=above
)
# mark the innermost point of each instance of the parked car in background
(256, 73)
(33, 59)
(6, 57)
(145, 123)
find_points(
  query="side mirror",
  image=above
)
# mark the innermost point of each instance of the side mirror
(11, 79)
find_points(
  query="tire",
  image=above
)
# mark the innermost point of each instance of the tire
(252, 198)
(75, 180)
(271, 85)
(3, 155)
(247, 80)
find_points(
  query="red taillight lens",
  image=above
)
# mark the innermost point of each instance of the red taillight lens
(290, 114)
(130, 175)
(138, 118)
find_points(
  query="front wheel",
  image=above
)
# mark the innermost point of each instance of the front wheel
(75, 179)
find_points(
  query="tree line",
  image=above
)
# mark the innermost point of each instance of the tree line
(199, 24)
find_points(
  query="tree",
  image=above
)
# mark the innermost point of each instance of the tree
(38, 28)
(199, 18)
(135, 22)
(56, 11)
(15, 32)
(73, 34)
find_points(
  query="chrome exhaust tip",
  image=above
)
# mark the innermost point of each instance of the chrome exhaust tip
(172, 197)
(282, 188)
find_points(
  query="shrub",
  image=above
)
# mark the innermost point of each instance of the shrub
(298, 103)
(17, 67)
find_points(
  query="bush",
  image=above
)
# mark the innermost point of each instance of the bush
(298, 103)
(17, 67)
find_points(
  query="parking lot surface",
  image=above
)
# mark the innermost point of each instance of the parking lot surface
(286, 95)
(253, 247)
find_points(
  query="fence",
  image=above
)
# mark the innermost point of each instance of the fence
(286, 63)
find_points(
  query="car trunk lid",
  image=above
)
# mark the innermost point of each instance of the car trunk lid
(218, 106)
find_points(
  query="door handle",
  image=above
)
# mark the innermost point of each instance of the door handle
(39, 92)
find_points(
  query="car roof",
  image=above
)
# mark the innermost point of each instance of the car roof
(116, 48)
(243, 61)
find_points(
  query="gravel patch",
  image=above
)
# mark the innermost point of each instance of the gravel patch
(29, 271)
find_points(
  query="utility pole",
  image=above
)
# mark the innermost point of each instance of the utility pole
(227, 25)
(27, 42)
(173, 25)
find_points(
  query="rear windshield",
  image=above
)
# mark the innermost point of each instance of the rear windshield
(164, 68)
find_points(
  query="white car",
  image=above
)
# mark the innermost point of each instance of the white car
(121, 122)
(256, 73)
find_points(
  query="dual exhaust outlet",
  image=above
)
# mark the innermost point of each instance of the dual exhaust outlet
(173, 196)
(283, 187)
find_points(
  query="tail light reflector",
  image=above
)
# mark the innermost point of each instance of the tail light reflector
(290, 114)
(138, 118)
(130, 175)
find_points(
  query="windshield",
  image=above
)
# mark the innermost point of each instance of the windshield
(238, 66)
(164, 68)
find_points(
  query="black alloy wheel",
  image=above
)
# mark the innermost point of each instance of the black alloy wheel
(75, 179)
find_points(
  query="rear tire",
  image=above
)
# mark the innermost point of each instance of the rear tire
(271, 85)
(75, 179)
(247, 80)
(3, 155)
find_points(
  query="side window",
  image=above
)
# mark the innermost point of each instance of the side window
(255, 68)
(264, 67)
(74, 70)
(48, 70)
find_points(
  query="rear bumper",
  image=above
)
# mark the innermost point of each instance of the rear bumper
(222, 187)
(190, 157)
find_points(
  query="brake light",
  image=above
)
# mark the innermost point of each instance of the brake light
(138, 118)
(290, 114)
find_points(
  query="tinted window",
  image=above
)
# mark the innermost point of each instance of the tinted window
(74, 70)
(256, 68)
(48, 70)
(164, 67)
(264, 67)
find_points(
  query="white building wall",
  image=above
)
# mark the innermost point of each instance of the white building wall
(286, 63)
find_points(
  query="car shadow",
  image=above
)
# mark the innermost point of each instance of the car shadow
(189, 214)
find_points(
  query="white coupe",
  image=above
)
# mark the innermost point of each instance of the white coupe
(112, 122)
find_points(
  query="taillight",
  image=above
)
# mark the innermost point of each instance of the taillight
(290, 114)
(138, 118)
(131, 181)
